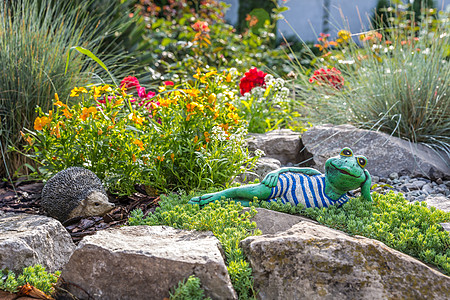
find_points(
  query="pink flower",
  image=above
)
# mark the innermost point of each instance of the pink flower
(130, 83)
(252, 78)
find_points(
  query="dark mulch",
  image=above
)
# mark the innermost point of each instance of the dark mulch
(24, 197)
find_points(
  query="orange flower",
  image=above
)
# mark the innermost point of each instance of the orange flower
(160, 158)
(87, 111)
(67, 113)
(136, 119)
(59, 104)
(172, 157)
(40, 123)
(207, 135)
(139, 143)
(195, 139)
(55, 131)
(29, 140)
(133, 157)
(100, 131)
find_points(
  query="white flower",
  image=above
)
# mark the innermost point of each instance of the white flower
(259, 153)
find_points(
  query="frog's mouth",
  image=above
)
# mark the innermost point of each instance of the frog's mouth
(343, 171)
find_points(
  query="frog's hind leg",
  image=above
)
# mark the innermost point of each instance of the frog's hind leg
(243, 194)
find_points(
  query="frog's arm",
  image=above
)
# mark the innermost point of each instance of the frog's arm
(271, 179)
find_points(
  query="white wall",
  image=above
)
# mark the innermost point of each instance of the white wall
(306, 16)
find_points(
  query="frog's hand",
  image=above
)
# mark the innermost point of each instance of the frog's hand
(271, 179)
(205, 199)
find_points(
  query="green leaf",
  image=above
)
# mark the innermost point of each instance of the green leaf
(91, 56)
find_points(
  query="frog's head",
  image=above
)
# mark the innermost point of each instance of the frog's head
(347, 172)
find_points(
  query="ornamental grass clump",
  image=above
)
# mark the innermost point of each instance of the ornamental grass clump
(35, 38)
(225, 219)
(396, 80)
(185, 137)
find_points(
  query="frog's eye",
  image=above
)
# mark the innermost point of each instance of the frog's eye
(362, 161)
(346, 152)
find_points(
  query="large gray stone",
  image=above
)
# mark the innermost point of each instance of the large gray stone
(145, 262)
(282, 144)
(263, 166)
(26, 240)
(440, 202)
(311, 261)
(386, 154)
(270, 221)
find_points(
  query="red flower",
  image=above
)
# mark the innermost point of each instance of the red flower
(331, 77)
(130, 83)
(201, 26)
(168, 83)
(252, 78)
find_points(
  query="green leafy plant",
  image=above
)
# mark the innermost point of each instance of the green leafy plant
(186, 37)
(189, 289)
(269, 107)
(183, 138)
(225, 219)
(35, 275)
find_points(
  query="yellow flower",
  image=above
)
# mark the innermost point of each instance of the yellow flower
(87, 111)
(230, 106)
(233, 116)
(76, 91)
(212, 98)
(40, 123)
(344, 36)
(106, 88)
(161, 89)
(118, 102)
(228, 79)
(56, 97)
(139, 143)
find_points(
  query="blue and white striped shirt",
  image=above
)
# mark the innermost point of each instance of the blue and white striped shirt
(300, 188)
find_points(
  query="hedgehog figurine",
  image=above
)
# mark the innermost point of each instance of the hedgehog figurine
(75, 192)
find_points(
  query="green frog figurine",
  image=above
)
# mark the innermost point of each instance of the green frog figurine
(305, 186)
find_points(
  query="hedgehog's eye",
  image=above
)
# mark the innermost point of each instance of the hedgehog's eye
(96, 204)
(346, 152)
(362, 162)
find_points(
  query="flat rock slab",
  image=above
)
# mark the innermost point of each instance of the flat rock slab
(311, 261)
(145, 262)
(386, 154)
(440, 202)
(27, 240)
(270, 221)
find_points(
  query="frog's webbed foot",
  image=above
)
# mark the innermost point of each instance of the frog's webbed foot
(205, 199)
